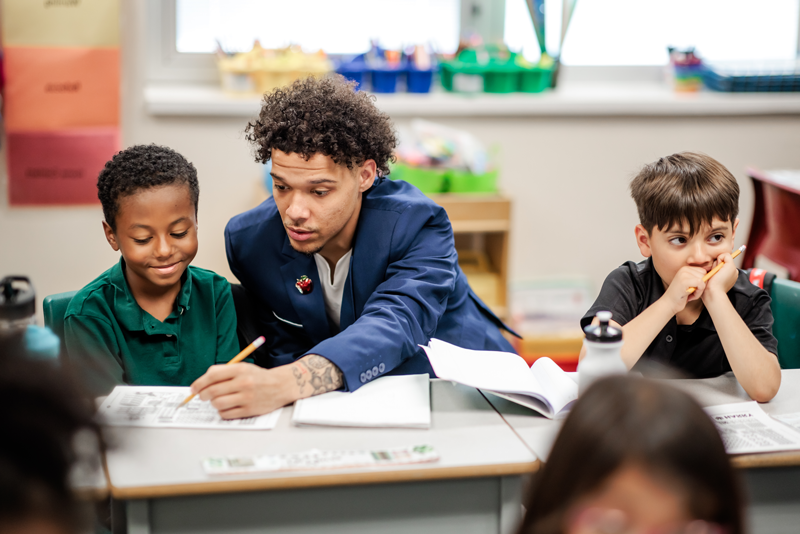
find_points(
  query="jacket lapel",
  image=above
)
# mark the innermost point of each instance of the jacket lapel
(348, 315)
(310, 308)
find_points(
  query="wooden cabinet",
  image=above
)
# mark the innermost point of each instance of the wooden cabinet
(481, 225)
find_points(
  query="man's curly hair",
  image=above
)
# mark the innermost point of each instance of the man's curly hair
(142, 167)
(324, 116)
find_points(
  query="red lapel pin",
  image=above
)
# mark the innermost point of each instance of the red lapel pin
(304, 285)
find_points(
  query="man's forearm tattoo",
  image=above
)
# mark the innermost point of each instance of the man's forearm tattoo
(318, 374)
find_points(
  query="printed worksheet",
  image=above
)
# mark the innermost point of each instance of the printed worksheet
(746, 428)
(160, 407)
(318, 459)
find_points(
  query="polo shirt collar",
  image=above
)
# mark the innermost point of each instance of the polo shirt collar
(127, 310)
(657, 291)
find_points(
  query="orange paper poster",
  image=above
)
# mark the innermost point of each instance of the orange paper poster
(58, 167)
(53, 88)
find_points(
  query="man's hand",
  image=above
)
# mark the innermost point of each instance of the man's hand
(686, 277)
(247, 390)
(722, 282)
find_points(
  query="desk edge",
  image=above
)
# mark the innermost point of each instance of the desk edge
(314, 481)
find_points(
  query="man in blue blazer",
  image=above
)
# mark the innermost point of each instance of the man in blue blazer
(349, 272)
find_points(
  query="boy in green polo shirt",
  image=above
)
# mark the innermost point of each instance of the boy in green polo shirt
(151, 319)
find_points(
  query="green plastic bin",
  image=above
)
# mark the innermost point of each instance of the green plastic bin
(466, 182)
(426, 180)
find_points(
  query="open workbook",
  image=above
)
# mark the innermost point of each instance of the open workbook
(543, 387)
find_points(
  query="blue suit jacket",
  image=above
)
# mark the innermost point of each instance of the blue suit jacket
(404, 287)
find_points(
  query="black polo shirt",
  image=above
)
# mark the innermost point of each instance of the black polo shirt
(694, 349)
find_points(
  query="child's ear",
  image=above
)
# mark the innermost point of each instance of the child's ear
(735, 225)
(110, 237)
(643, 241)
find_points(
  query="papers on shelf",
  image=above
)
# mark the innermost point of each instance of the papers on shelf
(389, 401)
(316, 459)
(159, 407)
(544, 387)
(746, 428)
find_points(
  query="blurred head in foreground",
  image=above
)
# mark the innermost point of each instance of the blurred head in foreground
(47, 427)
(633, 456)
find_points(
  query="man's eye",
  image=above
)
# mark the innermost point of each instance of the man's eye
(279, 187)
(180, 235)
(320, 193)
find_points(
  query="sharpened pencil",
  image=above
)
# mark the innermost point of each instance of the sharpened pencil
(713, 271)
(248, 350)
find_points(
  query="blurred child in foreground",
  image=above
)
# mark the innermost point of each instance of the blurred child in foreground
(633, 456)
(49, 440)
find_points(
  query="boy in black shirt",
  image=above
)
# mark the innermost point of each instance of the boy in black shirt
(687, 206)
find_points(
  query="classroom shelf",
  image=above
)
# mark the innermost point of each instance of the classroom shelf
(582, 99)
(481, 226)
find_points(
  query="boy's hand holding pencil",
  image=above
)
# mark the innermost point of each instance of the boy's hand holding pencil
(719, 266)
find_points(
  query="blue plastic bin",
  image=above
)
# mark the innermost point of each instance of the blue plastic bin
(419, 81)
(384, 79)
(355, 70)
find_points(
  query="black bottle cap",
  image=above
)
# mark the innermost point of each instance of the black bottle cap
(603, 332)
(17, 298)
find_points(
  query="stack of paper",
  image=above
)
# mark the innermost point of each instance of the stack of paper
(746, 428)
(544, 387)
(160, 407)
(389, 401)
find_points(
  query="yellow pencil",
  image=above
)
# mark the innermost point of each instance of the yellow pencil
(236, 359)
(713, 271)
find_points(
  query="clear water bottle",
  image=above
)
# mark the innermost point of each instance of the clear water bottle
(603, 352)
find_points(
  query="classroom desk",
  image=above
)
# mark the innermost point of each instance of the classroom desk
(474, 488)
(772, 480)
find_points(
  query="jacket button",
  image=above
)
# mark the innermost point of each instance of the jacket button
(381, 368)
(368, 372)
(375, 371)
(363, 378)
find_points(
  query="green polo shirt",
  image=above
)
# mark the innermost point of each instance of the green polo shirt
(111, 340)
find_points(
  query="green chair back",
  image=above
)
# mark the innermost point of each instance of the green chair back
(54, 308)
(786, 329)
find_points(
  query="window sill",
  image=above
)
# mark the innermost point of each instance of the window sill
(631, 99)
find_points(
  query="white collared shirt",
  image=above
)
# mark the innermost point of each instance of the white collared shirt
(332, 292)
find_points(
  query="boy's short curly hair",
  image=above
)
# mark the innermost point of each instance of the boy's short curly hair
(323, 116)
(686, 187)
(143, 167)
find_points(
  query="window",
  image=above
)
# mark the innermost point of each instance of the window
(337, 27)
(637, 32)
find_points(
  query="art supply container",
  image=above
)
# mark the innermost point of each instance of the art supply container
(427, 180)
(467, 182)
(603, 352)
(418, 80)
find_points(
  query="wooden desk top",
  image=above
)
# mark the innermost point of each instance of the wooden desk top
(539, 433)
(470, 436)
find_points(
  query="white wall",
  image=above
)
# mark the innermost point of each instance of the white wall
(568, 178)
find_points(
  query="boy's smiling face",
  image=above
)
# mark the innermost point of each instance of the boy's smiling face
(157, 236)
(675, 247)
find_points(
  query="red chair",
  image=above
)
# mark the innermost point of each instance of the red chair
(775, 232)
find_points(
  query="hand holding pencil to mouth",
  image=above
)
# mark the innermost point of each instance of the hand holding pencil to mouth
(716, 269)
(248, 350)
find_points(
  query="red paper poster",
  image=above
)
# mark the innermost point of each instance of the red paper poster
(58, 167)
(52, 88)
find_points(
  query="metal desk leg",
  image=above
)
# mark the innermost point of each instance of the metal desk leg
(510, 504)
(138, 516)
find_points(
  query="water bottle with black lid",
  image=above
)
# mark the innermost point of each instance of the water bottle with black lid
(603, 356)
